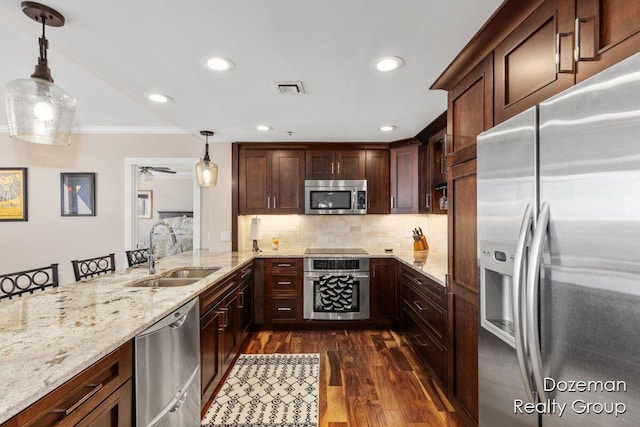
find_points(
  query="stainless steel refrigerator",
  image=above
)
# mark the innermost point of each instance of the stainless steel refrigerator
(559, 259)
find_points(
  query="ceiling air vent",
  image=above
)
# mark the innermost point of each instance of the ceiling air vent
(289, 88)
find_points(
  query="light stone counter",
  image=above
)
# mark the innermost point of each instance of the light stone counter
(48, 337)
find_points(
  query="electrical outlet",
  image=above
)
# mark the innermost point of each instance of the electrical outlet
(408, 232)
(225, 236)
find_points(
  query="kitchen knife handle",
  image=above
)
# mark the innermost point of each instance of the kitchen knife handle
(533, 285)
(517, 303)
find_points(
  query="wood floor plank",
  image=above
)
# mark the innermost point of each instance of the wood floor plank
(369, 378)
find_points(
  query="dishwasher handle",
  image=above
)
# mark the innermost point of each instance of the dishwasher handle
(173, 320)
(176, 402)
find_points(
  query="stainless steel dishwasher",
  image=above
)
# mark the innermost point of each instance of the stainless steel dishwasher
(167, 370)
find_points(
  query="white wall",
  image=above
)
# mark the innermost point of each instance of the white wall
(48, 237)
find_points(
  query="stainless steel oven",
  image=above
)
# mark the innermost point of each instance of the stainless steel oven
(336, 288)
(335, 197)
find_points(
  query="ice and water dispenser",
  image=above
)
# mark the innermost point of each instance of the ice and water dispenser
(496, 289)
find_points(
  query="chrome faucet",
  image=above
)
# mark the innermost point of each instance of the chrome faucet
(152, 259)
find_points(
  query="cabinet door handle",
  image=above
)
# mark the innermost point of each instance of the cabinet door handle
(94, 389)
(225, 318)
(338, 168)
(287, 264)
(268, 202)
(559, 68)
(331, 168)
(427, 200)
(393, 202)
(284, 282)
(418, 281)
(284, 308)
(419, 306)
(274, 202)
(577, 52)
(241, 301)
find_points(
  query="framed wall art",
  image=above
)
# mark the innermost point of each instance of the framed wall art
(145, 204)
(78, 194)
(13, 194)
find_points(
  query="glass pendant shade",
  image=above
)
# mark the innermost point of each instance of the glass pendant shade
(207, 173)
(39, 111)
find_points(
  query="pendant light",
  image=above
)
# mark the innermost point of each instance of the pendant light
(206, 170)
(37, 110)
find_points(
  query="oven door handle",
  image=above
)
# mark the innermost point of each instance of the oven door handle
(316, 275)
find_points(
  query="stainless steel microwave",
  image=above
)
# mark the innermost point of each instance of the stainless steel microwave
(335, 196)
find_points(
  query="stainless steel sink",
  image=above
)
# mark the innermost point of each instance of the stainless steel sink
(196, 272)
(164, 282)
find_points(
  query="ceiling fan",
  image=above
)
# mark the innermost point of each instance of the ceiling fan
(145, 172)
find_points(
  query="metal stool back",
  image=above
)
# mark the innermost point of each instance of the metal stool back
(87, 268)
(137, 256)
(16, 284)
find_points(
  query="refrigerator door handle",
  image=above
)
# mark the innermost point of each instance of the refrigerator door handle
(532, 300)
(517, 303)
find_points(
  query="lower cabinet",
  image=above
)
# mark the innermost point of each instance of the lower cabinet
(424, 320)
(283, 290)
(101, 395)
(383, 291)
(227, 315)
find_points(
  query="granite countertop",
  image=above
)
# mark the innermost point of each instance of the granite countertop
(48, 337)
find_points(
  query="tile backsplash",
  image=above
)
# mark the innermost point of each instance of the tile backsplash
(335, 231)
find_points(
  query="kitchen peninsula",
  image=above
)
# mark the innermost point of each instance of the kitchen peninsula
(50, 336)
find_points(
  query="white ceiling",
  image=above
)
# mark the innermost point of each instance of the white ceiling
(111, 52)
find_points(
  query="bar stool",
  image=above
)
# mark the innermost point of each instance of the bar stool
(137, 256)
(87, 268)
(16, 284)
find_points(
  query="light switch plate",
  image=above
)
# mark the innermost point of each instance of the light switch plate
(225, 236)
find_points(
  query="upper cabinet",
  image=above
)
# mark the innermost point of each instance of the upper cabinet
(432, 167)
(377, 173)
(535, 61)
(404, 179)
(332, 164)
(607, 31)
(271, 182)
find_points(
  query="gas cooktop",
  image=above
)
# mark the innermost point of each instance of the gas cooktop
(335, 251)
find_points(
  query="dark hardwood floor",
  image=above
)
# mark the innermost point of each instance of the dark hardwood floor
(368, 378)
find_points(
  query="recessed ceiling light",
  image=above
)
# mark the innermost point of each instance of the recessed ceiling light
(217, 63)
(387, 63)
(263, 128)
(158, 97)
(387, 128)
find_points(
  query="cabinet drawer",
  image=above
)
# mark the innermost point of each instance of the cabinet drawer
(426, 310)
(284, 283)
(425, 345)
(72, 401)
(285, 310)
(432, 289)
(284, 265)
(214, 294)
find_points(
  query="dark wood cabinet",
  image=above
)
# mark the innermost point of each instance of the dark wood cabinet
(283, 290)
(432, 174)
(224, 325)
(383, 291)
(403, 179)
(424, 320)
(377, 173)
(470, 112)
(536, 60)
(101, 395)
(332, 164)
(271, 181)
(211, 325)
(607, 31)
